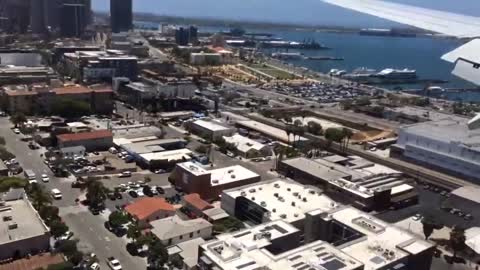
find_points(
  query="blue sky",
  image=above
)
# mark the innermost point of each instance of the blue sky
(297, 11)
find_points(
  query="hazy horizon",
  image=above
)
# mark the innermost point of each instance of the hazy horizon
(299, 12)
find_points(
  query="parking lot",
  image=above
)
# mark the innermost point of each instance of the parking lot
(436, 203)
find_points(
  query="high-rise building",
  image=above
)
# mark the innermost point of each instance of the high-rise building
(15, 15)
(51, 12)
(183, 36)
(37, 16)
(121, 15)
(72, 20)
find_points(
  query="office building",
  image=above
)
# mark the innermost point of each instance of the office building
(16, 15)
(209, 184)
(22, 231)
(353, 180)
(449, 145)
(304, 216)
(37, 16)
(72, 20)
(185, 36)
(121, 15)
(174, 230)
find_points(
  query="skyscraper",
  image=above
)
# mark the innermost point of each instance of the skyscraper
(72, 20)
(37, 16)
(121, 15)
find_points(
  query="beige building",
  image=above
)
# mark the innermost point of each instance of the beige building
(174, 230)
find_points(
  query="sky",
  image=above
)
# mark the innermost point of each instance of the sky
(310, 12)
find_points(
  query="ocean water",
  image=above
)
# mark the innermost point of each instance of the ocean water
(422, 54)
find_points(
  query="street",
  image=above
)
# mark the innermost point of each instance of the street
(87, 228)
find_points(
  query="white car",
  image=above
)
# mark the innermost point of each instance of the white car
(417, 217)
(114, 264)
(45, 178)
(16, 131)
(140, 192)
(94, 266)
(33, 181)
(56, 194)
(66, 236)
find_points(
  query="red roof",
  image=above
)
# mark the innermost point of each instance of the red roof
(145, 207)
(41, 261)
(96, 134)
(103, 90)
(197, 202)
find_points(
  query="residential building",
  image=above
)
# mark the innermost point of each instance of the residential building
(195, 204)
(449, 145)
(247, 147)
(188, 251)
(121, 15)
(271, 132)
(147, 210)
(92, 141)
(209, 184)
(73, 152)
(22, 231)
(174, 230)
(31, 99)
(353, 180)
(211, 130)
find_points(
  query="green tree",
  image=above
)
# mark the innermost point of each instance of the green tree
(61, 266)
(347, 134)
(176, 261)
(346, 104)
(7, 183)
(314, 128)
(363, 101)
(117, 219)
(18, 118)
(457, 240)
(5, 154)
(334, 134)
(96, 194)
(202, 149)
(49, 213)
(428, 226)
(2, 141)
(67, 247)
(133, 232)
(58, 228)
(157, 255)
(38, 196)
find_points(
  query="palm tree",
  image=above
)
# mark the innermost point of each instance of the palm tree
(133, 232)
(457, 240)
(288, 131)
(347, 134)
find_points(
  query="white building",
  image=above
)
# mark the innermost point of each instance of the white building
(210, 59)
(188, 251)
(174, 230)
(271, 132)
(247, 147)
(447, 144)
(314, 219)
(211, 130)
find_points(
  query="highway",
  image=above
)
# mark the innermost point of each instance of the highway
(87, 228)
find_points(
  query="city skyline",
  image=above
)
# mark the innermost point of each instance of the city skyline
(299, 12)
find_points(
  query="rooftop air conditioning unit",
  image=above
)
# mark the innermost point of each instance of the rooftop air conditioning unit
(7, 218)
(12, 226)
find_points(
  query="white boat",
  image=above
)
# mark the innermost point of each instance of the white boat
(285, 55)
(390, 73)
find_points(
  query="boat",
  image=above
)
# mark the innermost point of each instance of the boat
(397, 74)
(285, 55)
(337, 72)
(331, 58)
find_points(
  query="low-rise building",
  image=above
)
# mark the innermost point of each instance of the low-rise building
(31, 100)
(149, 209)
(188, 251)
(194, 203)
(22, 231)
(142, 93)
(247, 147)
(92, 141)
(20, 74)
(353, 180)
(174, 230)
(73, 152)
(210, 130)
(202, 58)
(313, 219)
(164, 159)
(209, 184)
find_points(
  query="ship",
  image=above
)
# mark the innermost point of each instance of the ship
(286, 55)
(397, 74)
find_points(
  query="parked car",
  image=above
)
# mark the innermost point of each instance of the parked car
(16, 131)
(45, 178)
(126, 174)
(66, 236)
(56, 194)
(95, 266)
(160, 190)
(133, 193)
(417, 217)
(113, 263)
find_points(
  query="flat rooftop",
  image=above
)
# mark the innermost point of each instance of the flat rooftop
(249, 249)
(169, 156)
(450, 129)
(284, 199)
(243, 143)
(174, 226)
(270, 131)
(383, 243)
(210, 125)
(220, 176)
(188, 250)
(361, 177)
(149, 146)
(27, 220)
(471, 193)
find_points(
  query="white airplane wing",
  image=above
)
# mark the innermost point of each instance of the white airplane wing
(466, 57)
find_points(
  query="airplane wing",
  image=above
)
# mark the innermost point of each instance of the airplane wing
(466, 57)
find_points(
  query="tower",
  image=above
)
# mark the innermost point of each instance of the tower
(121, 15)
